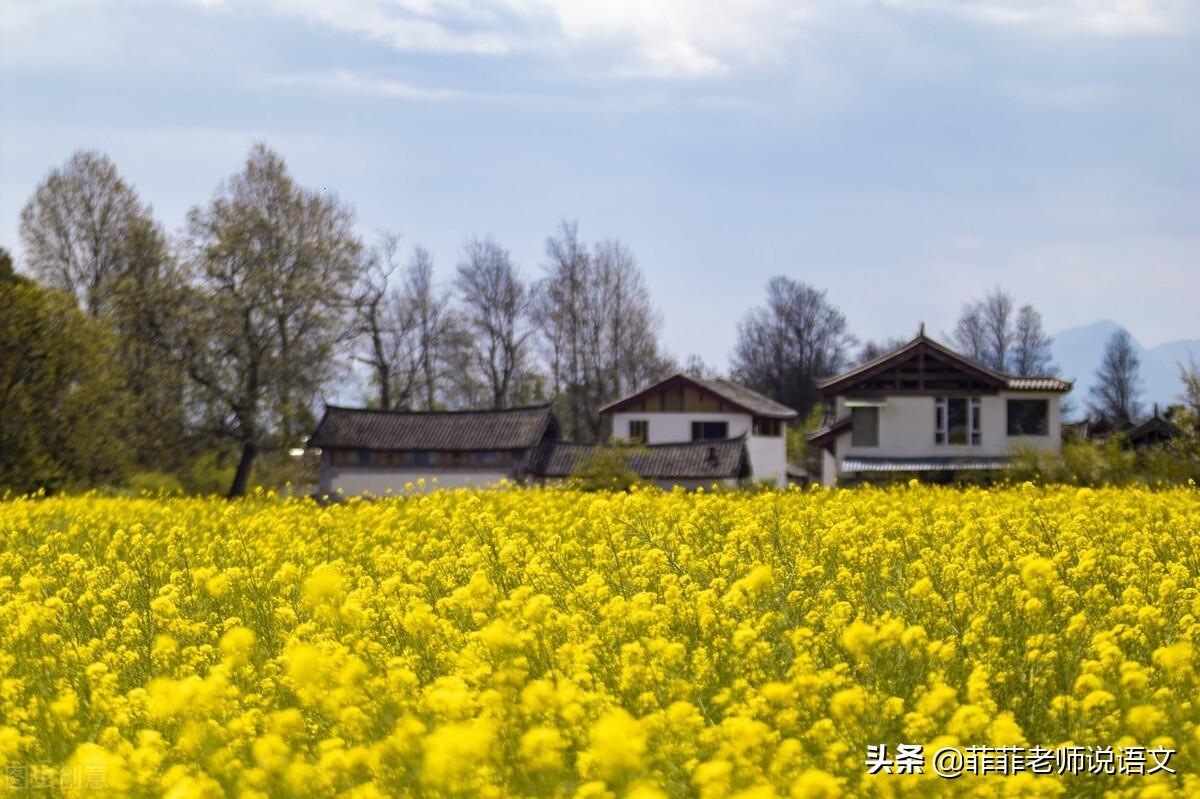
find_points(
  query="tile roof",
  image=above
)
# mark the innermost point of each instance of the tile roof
(1039, 384)
(946, 464)
(696, 460)
(364, 428)
(734, 393)
(747, 398)
(828, 433)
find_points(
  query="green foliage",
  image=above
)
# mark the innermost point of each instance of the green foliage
(209, 473)
(286, 473)
(607, 468)
(1089, 463)
(154, 483)
(64, 415)
(799, 451)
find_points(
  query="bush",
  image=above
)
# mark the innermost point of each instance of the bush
(210, 473)
(155, 483)
(607, 469)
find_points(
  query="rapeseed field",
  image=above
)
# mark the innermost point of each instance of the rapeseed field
(552, 642)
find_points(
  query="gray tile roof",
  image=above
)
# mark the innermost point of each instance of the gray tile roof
(1039, 384)
(363, 428)
(696, 460)
(947, 464)
(747, 398)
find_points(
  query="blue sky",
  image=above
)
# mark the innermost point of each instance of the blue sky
(904, 154)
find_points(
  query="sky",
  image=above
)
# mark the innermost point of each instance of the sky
(904, 155)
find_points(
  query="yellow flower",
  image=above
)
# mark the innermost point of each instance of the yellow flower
(816, 784)
(618, 745)
(236, 644)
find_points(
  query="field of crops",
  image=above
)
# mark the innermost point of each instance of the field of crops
(556, 643)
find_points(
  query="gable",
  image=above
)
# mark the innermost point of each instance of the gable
(685, 394)
(676, 396)
(921, 367)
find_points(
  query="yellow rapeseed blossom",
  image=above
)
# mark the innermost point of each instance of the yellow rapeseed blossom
(547, 642)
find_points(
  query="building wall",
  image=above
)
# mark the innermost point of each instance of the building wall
(354, 481)
(906, 429)
(768, 454)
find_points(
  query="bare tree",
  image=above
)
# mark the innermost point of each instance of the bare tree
(989, 332)
(497, 309)
(1031, 346)
(435, 328)
(74, 228)
(599, 326)
(696, 367)
(871, 350)
(970, 334)
(267, 306)
(1119, 385)
(386, 326)
(997, 309)
(786, 345)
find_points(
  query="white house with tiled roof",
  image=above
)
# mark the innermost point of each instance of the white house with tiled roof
(924, 408)
(689, 410)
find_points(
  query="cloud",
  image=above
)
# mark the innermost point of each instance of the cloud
(664, 39)
(1102, 17)
(434, 26)
(346, 82)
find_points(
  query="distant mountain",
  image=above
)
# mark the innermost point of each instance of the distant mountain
(1078, 352)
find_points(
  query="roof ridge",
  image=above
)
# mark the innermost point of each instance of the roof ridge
(461, 411)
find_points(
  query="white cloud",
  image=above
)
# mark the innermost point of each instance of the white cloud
(439, 26)
(1103, 17)
(348, 82)
(658, 39)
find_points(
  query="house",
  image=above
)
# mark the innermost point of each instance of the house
(928, 409)
(1156, 431)
(694, 464)
(366, 451)
(689, 410)
(369, 451)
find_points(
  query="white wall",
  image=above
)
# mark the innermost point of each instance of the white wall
(906, 429)
(356, 480)
(676, 427)
(768, 454)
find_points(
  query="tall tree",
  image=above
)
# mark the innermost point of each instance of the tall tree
(74, 228)
(997, 310)
(1116, 394)
(497, 309)
(970, 334)
(1031, 346)
(86, 232)
(786, 345)
(64, 415)
(992, 332)
(439, 340)
(272, 265)
(599, 326)
(386, 327)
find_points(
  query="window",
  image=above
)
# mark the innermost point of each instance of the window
(421, 458)
(639, 430)
(1028, 417)
(957, 421)
(767, 427)
(489, 458)
(864, 427)
(709, 431)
